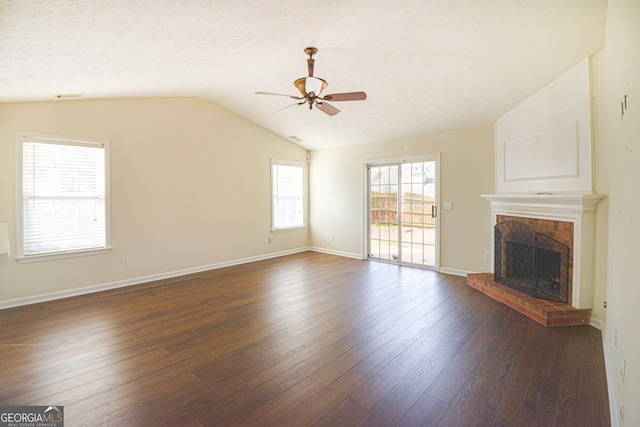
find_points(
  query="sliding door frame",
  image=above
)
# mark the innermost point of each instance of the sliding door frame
(431, 157)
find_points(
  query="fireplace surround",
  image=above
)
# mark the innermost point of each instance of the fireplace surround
(575, 209)
(568, 219)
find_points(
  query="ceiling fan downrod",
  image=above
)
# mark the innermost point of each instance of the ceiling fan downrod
(310, 51)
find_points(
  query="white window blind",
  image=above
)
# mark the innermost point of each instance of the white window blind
(287, 194)
(64, 195)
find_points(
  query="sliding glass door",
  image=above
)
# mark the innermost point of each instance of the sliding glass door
(403, 211)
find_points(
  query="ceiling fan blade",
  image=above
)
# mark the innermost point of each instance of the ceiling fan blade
(348, 96)
(278, 94)
(327, 108)
(289, 106)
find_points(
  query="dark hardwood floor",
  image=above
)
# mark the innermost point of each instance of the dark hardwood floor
(308, 339)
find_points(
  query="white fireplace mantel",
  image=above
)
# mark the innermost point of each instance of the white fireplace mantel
(570, 207)
(567, 204)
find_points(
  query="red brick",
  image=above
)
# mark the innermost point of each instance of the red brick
(547, 313)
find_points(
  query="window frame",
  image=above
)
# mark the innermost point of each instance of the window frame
(301, 165)
(25, 137)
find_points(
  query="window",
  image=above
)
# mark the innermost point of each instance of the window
(287, 191)
(63, 196)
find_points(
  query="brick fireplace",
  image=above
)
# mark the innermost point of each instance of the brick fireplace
(568, 219)
(543, 171)
(551, 254)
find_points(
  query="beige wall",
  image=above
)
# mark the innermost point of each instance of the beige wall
(189, 188)
(466, 171)
(618, 177)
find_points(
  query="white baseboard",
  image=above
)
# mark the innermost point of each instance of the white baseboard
(611, 384)
(596, 323)
(139, 280)
(445, 270)
(454, 271)
(337, 253)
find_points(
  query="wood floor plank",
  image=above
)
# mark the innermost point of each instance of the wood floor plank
(269, 412)
(323, 402)
(392, 371)
(485, 387)
(460, 368)
(398, 402)
(306, 339)
(426, 412)
(346, 413)
(541, 401)
(579, 376)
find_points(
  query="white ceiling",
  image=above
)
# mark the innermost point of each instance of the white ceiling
(426, 65)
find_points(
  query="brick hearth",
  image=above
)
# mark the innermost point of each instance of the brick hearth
(547, 313)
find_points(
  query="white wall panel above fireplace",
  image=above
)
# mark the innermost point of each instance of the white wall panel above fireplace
(545, 155)
(544, 144)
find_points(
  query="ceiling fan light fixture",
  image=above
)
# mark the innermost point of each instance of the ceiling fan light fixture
(315, 85)
(307, 85)
(300, 85)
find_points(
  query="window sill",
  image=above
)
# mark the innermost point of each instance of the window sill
(278, 230)
(59, 255)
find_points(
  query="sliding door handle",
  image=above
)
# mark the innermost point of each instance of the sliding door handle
(434, 211)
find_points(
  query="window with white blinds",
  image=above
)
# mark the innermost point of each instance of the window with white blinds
(287, 190)
(63, 202)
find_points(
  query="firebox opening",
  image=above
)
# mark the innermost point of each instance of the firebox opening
(530, 262)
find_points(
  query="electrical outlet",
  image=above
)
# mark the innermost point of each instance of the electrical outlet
(448, 206)
(125, 261)
(333, 237)
(487, 255)
(269, 240)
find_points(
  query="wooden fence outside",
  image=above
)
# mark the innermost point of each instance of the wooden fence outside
(416, 210)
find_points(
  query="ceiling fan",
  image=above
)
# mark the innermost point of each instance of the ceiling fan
(311, 88)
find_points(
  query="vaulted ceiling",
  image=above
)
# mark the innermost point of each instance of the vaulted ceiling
(426, 65)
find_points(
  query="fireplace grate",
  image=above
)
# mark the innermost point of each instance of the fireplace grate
(530, 262)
